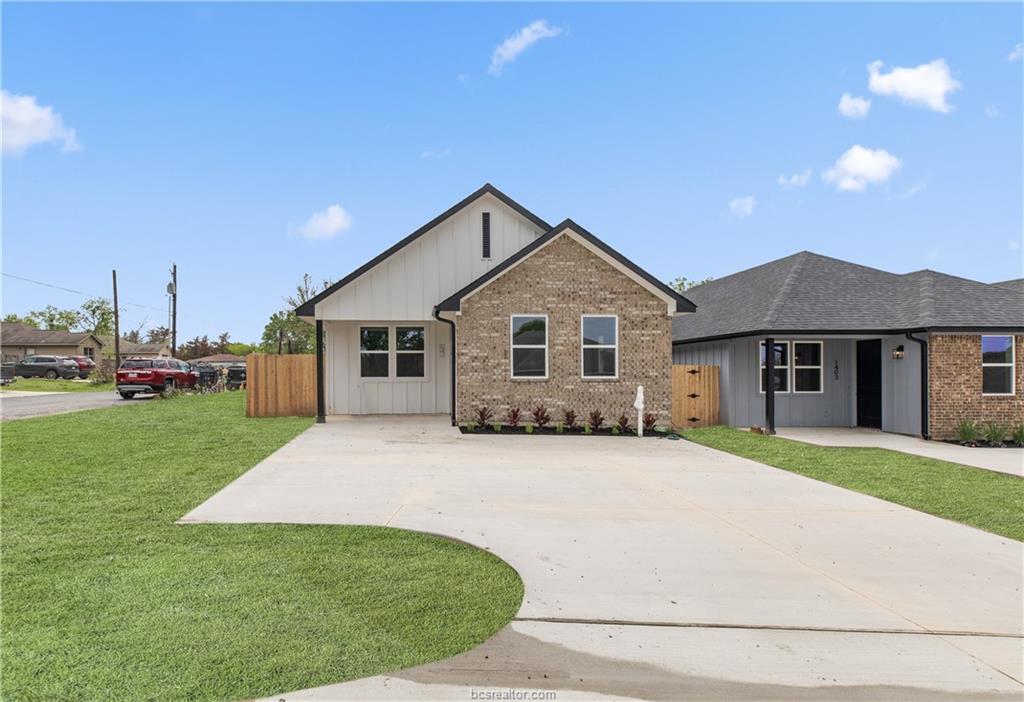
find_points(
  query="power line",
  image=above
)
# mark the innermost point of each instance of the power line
(77, 292)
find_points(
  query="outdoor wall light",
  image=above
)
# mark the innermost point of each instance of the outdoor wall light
(897, 353)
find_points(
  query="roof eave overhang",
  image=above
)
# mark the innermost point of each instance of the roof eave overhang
(853, 332)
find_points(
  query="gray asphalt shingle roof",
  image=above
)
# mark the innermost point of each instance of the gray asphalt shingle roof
(810, 292)
(12, 334)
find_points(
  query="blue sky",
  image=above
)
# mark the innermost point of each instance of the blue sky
(210, 135)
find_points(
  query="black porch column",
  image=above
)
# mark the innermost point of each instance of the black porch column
(320, 372)
(769, 385)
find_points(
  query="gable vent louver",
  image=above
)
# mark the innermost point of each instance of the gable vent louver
(486, 234)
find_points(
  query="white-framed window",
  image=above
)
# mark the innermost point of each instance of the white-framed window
(410, 352)
(374, 352)
(599, 346)
(998, 354)
(781, 360)
(528, 338)
(807, 366)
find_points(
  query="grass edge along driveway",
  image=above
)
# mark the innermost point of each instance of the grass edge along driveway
(105, 597)
(980, 498)
(57, 385)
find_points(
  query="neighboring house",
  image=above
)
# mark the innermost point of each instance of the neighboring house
(18, 341)
(130, 349)
(488, 305)
(855, 346)
(220, 360)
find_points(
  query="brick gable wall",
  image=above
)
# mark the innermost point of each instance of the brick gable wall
(564, 280)
(954, 385)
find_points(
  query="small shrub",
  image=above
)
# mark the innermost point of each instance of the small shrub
(496, 427)
(540, 416)
(661, 430)
(470, 426)
(622, 424)
(1017, 435)
(587, 429)
(101, 375)
(967, 432)
(994, 433)
(649, 420)
(596, 420)
(559, 427)
(569, 417)
(529, 428)
(513, 417)
(483, 415)
(615, 430)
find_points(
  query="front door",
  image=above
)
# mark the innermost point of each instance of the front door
(869, 383)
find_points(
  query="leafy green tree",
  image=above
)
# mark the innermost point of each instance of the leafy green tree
(237, 348)
(158, 335)
(286, 333)
(97, 316)
(682, 284)
(15, 319)
(52, 318)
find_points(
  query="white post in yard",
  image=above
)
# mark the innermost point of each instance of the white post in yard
(639, 404)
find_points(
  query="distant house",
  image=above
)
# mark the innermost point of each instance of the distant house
(220, 359)
(18, 341)
(130, 349)
(916, 353)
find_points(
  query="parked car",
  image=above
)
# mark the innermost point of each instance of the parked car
(236, 377)
(51, 367)
(85, 366)
(153, 375)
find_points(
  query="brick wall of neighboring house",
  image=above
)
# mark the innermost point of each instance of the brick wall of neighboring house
(954, 385)
(564, 280)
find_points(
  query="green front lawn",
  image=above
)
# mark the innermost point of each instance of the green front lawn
(980, 498)
(58, 385)
(106, 598)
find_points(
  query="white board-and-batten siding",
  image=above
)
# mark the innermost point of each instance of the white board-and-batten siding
(408, 284)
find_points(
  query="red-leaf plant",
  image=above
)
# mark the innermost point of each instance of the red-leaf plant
(649, 420)
(513, 416)
(540, 416)
(569, 419)
(596, 420)
(483, 415)
(623, 423)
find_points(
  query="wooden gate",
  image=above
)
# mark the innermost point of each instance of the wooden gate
(280, 386)
(694, 396)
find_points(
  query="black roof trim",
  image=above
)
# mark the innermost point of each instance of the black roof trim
(860, 332)
(308, 308)
(454, 303)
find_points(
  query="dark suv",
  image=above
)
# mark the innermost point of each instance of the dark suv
(51, 367)
(153, 375)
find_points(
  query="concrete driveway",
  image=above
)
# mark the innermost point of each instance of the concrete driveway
(660, 569)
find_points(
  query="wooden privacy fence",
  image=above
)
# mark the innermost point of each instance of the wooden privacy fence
(280, 386)
(694, 396)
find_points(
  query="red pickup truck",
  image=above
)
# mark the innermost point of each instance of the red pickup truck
(153, 375)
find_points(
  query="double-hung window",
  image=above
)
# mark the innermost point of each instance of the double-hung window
(807, 366)
(781, 369)
(374, 350)
(529, 340)
(410, 345)
(599, 338)
(997, 365)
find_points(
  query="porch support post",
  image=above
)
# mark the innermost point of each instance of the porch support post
(320, 419)
(769, 385)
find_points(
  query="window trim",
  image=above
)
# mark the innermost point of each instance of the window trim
(386, 352)
(1012, 365)
(512, 346)
(583, 347)
(820, 368)
(788, 367)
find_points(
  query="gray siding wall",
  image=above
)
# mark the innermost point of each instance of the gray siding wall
(901, 386)
(743, 404)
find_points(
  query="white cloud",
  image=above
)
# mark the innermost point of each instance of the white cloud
(912, 191)
(860, 167)
(26, 123)
(926, 85)
(742, 207)
(797, 180)
(854, 107)
(325, 224)
(1017, 52)
(508, 51)
(992, 111)
(436, 153)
